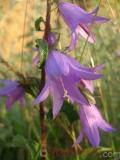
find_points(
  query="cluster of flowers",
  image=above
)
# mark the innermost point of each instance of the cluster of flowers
(64, 75)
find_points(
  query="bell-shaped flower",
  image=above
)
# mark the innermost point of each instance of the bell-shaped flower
(63, 73)
(91, 120)
(79, 21)
(13, 91)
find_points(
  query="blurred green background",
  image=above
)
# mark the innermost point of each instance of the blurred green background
(20, 126)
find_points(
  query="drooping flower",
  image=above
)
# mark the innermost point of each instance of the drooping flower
(13, 91)
(91, 121)
(63, 73)
(51, 42)
(79, 21)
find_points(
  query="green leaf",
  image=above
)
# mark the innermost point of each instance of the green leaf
(38, 22)
(42, 45)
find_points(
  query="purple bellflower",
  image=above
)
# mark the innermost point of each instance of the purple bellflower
(51, 42)
(63, 73)
(79, 21)
(13, 91)
(91, 121)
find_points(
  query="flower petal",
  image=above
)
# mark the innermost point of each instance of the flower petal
(86, 75)
(57, 94)
(75, 64)
(89, 125)
(99, 19)
(8, 88)
(74, 92)
(105, 126)
(101, 123)
(57, 64)
(85, 32)
(74, 38)
(43, 94)
(93, 136)
(15, 95)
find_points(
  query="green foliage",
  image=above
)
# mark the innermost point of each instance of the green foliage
(38, 23)
(43, 50)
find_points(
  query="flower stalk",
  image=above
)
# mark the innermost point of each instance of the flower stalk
(41, 105)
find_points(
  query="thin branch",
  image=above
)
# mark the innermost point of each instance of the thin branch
(11, 68)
